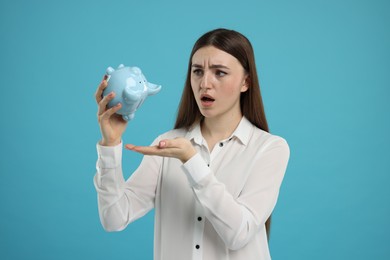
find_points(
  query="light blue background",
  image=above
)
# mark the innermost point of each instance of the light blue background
(324, 72)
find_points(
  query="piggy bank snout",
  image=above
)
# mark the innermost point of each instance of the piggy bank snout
(153, 88)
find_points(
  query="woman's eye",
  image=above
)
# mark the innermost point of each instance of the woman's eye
(220, 73)
(197, 72)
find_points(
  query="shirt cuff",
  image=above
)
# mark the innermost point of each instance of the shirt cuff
(196, 169)
(109, 156)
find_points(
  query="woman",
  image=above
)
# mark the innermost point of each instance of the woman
(214, 179)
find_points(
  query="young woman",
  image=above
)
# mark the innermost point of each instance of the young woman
(214, 179)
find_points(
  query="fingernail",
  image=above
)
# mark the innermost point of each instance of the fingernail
(162, 144)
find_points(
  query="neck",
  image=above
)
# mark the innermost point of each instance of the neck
(220, 128)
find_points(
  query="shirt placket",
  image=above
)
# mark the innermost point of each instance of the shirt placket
(198, 233)
(217, 149)
(199, 218)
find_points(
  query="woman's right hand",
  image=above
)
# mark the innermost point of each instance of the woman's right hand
(112, 125)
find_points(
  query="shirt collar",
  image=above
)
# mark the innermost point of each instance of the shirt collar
(195, 134)
(242, 132)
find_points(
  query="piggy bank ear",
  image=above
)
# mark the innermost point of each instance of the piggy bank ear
(136, 70)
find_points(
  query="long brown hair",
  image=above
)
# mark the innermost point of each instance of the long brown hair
(251, 103)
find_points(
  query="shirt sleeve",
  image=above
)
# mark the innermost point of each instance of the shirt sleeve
(237, 220)
(121, 201)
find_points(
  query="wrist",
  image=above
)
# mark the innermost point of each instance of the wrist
(188, 156)
(104, 142)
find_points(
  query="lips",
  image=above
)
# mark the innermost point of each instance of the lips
(206, 97)
(206, 100)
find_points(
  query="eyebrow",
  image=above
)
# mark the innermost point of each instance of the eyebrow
(214, 66)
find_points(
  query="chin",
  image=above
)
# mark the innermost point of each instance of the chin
(207, 114)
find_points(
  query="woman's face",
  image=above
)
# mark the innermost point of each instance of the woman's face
(217, 80)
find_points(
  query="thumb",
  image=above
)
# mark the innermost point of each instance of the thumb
(169, 143)
(163, 144)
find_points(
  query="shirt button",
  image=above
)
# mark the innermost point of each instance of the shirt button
(199, 218)
(197, 246)
(220, 144)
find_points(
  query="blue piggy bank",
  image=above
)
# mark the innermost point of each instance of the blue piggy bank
(131, 89)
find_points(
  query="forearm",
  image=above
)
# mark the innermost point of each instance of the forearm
(109, 184)
(120, 202)
(231, 219)
(237, 219)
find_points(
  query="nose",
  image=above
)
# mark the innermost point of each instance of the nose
(205, 81)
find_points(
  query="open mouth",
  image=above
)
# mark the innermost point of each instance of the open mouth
(206, 100)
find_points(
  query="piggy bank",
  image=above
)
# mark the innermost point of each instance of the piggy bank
(131, 89)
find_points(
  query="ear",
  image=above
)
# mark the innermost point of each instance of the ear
(245, 84)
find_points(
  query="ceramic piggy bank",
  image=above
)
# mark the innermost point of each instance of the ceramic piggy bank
(130, 87)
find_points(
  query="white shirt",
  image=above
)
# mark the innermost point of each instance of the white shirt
(213, 207)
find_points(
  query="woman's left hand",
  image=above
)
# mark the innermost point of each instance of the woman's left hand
(179, 148)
